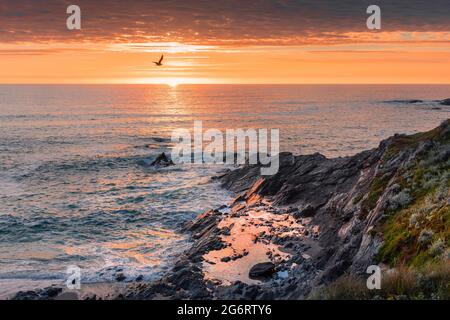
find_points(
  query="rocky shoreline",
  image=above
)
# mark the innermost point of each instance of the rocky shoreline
(286, 236)
(289, 222)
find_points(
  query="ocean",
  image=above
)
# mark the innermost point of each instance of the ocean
(76, 187)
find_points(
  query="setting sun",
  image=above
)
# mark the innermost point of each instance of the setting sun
(172, 82)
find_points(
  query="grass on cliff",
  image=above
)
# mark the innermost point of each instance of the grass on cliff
(416, 223)
(377, 188)
(401, 142)
(428, 282)
(417, 234)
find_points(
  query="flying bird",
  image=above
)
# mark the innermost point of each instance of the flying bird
(159, 62)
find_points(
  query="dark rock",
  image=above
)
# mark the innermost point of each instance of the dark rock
(307, 211)
(226, 231)
(162, 160)
(323, 189)
(267, 295)
(159, 139)
(26, 295)
(445, 102)
(405, 101)
(53, 291)
(120, 277)
(262, 270)
(250, 292)
(139, 278)
(38, 294)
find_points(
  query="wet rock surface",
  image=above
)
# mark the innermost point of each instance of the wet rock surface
(41, 294)
(446, 102)
(262, 270)
(162, 161)
(314, 221)
(299, 229)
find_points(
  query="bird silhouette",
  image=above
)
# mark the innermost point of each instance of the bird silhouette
(159, 62)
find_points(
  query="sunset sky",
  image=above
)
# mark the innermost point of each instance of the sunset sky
(228, 41)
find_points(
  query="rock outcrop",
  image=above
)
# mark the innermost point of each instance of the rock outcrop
(262, 270)
(445, 102)
(337, 207)
(162, 160)
(312, 222)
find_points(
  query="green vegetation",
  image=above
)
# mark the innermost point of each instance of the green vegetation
(410, 234)
(358, 198)
(400, 142)
(413, 224)
(377, 188)
(428, 282)
(416, 223)
(414, 181)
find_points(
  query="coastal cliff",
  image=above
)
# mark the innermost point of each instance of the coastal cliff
(312, 229)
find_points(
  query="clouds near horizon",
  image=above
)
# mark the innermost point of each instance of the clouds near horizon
(227, 41)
